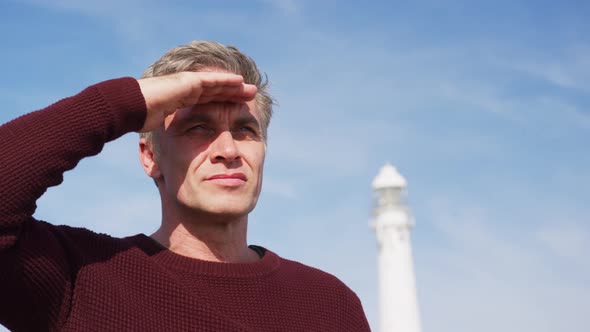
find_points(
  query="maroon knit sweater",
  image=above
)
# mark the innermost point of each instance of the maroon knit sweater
(71, 279)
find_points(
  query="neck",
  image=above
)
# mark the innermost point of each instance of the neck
(219, 240)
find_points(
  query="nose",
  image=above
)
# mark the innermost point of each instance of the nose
(224, 148)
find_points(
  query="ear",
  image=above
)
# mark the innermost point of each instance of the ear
(147, 158)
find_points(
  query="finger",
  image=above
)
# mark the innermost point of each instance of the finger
(213, 79)
(218, 93)
(225, 93)
(204, 87)
(224, 99)
(242, 89)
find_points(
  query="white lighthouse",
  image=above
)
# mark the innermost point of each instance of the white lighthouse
(398, 304)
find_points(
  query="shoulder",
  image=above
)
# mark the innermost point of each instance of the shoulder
(81, 236)
(310, 273)
(314, 279)
(327, 293)
(79, 244)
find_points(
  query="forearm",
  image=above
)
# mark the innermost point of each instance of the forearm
(36, 149)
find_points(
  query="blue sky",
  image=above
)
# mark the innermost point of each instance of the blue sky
(483, 107)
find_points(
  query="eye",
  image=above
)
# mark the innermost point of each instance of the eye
(199, 128)
(248, 129)
(246, 132)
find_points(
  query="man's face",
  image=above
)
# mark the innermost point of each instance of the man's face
(211, 159)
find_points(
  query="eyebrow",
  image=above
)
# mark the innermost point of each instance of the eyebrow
(197, 117)
(247, 120)
(207, 117)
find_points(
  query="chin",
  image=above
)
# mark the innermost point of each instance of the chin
(230, 207)
(219, 203)
(224, 215)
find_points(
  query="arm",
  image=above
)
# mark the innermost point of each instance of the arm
(36, 273)
(35, 150)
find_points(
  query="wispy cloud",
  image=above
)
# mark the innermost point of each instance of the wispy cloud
(566, 240)
(487, 268)
(280, 187)
(569, 69)
(287, 6)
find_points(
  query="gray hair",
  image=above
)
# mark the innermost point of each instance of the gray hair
(198, 55)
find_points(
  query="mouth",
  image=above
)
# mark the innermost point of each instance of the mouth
(228, 180)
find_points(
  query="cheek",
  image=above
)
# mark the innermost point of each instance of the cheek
(182, 160)
(196, 161)
(258, 156)
(194, 157)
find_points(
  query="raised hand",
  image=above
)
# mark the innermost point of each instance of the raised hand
(165, 94)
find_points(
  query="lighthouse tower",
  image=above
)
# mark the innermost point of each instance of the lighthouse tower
(398, 304)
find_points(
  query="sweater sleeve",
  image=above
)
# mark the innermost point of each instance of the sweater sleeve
(35, 150)
(354, 319)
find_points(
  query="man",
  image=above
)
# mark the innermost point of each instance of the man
(203, 111)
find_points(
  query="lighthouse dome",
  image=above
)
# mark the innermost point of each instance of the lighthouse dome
(389, 177)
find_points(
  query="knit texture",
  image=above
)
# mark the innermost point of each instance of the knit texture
(60, 278)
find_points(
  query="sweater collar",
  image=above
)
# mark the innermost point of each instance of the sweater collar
(161, 255)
